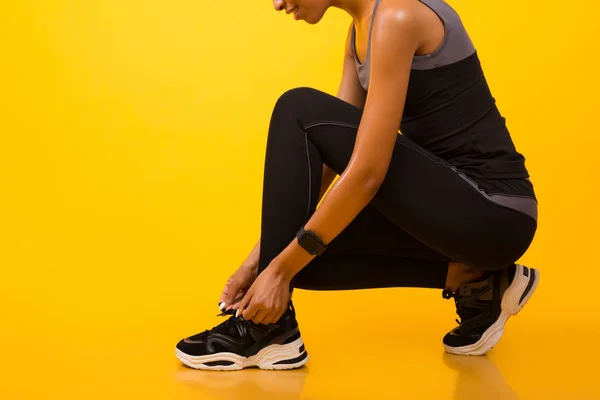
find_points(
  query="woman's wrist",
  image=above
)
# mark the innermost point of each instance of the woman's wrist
(251, 262)
(279, 270)
(291, 260)
(251, 266)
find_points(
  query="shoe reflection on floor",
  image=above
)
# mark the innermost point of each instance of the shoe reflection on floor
(248, 384)
(478, 378)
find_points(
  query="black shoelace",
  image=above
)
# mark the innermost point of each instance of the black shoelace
(232, 323)
(466, 304)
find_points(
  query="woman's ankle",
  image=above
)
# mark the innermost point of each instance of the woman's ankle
(459, 274)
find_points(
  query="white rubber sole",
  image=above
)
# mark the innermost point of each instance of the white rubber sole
(511, 305)
(274, 357)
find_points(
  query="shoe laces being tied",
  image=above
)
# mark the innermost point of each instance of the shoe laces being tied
(236, 326)
(233, 326)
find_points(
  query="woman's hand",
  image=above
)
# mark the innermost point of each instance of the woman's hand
(237, 286)
(268, 297)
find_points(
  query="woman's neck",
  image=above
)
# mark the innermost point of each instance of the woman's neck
(358, 9)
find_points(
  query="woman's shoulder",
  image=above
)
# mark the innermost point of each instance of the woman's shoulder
(408, 13)
(397, 17)
(437, 26)
(423, 11)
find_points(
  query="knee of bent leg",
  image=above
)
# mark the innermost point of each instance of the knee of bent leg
(295, 101)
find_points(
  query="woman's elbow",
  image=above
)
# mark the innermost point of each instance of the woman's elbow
(372, 184)
(369, 181)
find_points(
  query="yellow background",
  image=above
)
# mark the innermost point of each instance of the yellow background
(132, 137)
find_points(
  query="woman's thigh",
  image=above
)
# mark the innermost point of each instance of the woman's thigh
(421, 194)
(373, 252)
(372, 233)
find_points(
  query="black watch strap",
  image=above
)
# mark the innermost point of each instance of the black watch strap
(310, 242)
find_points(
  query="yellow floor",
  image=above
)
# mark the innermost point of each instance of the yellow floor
(392, 351)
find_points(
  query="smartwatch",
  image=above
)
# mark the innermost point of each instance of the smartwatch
(310, 242)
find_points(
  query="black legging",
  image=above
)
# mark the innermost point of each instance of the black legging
(423, 216)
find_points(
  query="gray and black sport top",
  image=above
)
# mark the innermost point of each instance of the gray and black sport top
(450, 111)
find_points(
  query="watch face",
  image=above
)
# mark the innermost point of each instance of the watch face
(311, 243)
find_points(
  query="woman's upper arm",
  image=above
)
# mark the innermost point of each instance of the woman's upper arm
(350, 89)
(393, 44)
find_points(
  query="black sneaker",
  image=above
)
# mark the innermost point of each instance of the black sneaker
(236, 344)
(485, 306)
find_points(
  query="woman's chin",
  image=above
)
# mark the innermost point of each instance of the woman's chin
(311, 20)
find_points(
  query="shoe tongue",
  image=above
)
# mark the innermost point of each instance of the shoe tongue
(467, 289)
(229, 327)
